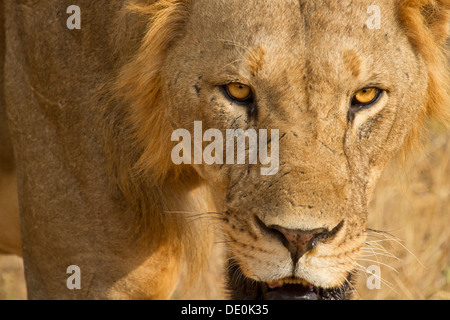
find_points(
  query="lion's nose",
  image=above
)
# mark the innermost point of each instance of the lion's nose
(299, 242)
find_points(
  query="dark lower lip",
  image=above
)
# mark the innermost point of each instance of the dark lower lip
(243, 288)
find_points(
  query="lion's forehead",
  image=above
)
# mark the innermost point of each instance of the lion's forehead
(289, 39)
(294, 21)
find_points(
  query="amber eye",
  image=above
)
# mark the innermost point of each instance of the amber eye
(239, 92)
(366, 97)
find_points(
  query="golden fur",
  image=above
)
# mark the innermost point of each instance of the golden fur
(171, 56)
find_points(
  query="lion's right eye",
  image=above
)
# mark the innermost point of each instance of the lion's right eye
(366, 97)
(239, 92)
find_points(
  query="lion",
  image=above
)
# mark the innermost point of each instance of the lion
(91, 114)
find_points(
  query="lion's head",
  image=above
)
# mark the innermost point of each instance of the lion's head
(344, 96)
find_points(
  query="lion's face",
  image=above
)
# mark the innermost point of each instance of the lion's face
(299, 232)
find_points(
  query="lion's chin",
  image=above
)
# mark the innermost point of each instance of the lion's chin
(243, 288)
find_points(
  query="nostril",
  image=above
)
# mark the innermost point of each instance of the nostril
(298, 241)
(271, 231)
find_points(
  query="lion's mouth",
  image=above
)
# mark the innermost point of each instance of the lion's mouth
(243, 288)
(302, 291)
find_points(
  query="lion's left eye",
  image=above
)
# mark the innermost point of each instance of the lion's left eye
(239, 92)
(366, 97)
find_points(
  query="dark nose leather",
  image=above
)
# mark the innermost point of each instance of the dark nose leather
(299, 242)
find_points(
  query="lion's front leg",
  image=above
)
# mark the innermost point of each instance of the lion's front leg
(79, 241)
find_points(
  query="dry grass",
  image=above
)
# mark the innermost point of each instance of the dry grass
(12, 281)
(411, 204)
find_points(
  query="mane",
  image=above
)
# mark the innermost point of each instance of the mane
(166, 200)
(425, 22)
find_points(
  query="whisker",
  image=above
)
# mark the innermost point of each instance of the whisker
(389, 237)
(381, 263)
(380, 252)
(194, 212)
(363, 270)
